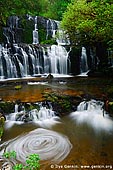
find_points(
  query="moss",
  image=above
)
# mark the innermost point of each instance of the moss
(28, 27)
(61, 103)
(50, 41)
(1, 132)
(17, 87)
(42, 34)
(2, 120)
(7, 107)
(110, 108)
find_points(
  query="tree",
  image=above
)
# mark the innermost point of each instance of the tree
(53, 8)
(48, 8)
(17, 7)
(90, 23)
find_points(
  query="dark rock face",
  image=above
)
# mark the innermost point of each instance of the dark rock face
(19, 29)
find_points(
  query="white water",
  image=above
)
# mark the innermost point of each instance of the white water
(31, 61)
(91, 113)
(51, 146)
(51, 28)
(58, 57)
(83, 62)
(35, 33)
(62, 37)
(43, 117)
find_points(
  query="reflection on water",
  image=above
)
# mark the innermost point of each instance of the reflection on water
(83, 138)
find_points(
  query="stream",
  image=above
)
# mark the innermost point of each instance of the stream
(82, 139)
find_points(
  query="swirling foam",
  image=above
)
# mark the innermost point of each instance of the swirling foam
(51, 146)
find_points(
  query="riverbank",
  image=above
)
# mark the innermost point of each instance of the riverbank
(31, 89)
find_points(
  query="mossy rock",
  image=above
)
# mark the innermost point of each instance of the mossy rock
(1, 132)
(61, 103)
(7, 107)
(110, 108)
(2, 120)
(17, 87)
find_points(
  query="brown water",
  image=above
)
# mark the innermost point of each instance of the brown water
(73, 86)
(91, 139)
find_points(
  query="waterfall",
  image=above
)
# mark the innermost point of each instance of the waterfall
(83, 61)
(62, 37)
(91, 113)
(58, 57)
(51, 28)
(22, 115)
(12, 32)
(1, 64)
(21, 60)
(35, 33)
(28, 60)
(90, 105)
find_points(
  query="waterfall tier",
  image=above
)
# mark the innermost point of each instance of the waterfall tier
(28, 60)
(40, 113)
(91, 113)
(83, 62)
(33, 29)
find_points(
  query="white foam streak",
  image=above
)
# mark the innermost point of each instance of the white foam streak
(50, 145)
(91, 112)
(94, 118)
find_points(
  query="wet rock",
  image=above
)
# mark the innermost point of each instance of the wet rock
(2, 120)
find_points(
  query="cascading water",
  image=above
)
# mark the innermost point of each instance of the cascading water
(22, 61)
(34, 115)
(35, 33)
(83, 61)
(58, 57)
(91, 113)
(51, 28)
(62, 37)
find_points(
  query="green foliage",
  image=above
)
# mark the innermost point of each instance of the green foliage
(1, 132)
(2, 120)
(47, 8)
(61, 101)
(11, 154)
(51, 41)
(7, 107)
(18, 167)
(53, 8)
(28, 26)
(89, 22)
(32, 162)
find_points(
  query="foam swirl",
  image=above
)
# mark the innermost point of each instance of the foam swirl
(50, 145)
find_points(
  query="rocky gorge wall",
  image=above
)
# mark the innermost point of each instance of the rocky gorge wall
(20, 29)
